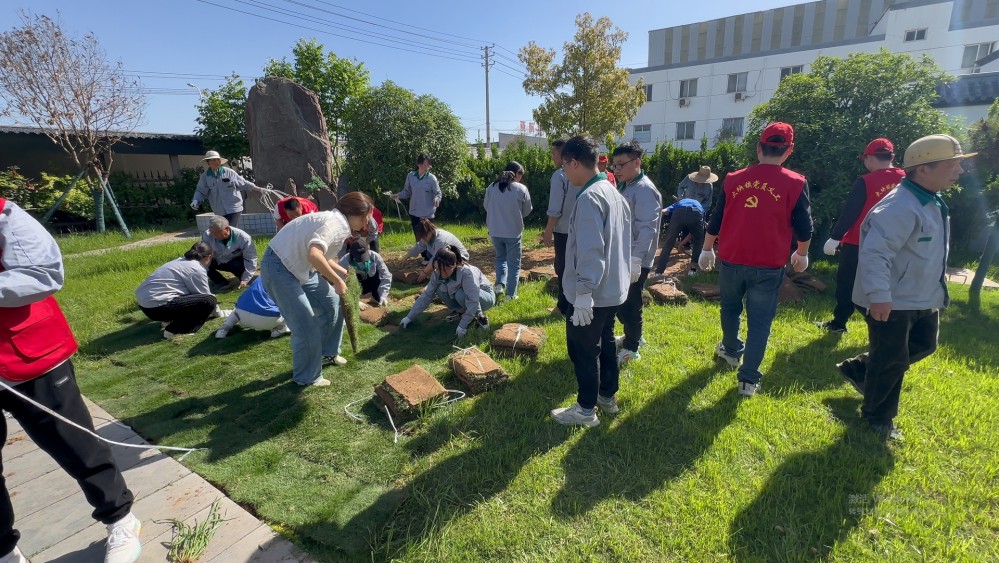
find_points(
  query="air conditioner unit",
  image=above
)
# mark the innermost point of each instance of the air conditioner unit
(684, 102)
(739, 96)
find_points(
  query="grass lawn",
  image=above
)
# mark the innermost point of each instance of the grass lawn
(82, 242)
(687, 471)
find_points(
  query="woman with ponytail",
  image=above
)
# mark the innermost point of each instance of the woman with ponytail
(462, 287)
(507, 203)
(177, 293)
(431, 239)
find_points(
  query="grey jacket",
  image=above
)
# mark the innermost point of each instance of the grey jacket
(468, 279)
(32, 263)
(689, 189)
(505, 210)
(377, 267)
(239, 245)
(646, 204)
(903, 251)
(442, 239)
(176, 278)
(424, 194)
(224, 193)
(598, 251)
(561, 198)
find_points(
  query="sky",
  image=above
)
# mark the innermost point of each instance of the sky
(429, 47)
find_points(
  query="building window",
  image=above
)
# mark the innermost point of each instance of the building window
(731, 127)
(789, 70)
(684, 130)
(915, 34)
(643, 133)
(688, 88)
(737, 82)
(648, 92)
(974, 52)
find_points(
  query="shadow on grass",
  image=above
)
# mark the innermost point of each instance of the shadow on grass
(808, 368)
(234, 420)
(456, 484)
(239, 340)
(969, 332)
(136, 334)
(606, 463)
(814, 499)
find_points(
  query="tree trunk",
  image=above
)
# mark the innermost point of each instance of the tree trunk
(98, 193)
(975, 293)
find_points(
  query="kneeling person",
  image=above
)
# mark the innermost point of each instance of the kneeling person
(255, 310)
(371, 271)
(462, 287)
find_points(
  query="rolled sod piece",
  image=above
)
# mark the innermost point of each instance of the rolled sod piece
(349, 308)
(477, 370)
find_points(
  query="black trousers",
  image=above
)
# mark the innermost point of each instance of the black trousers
(591, 350)
(83, 457)
(233, 218)
(846, 275)
(185, 314)
(414, 220)
(630, 312)
(904, 339)
(560, 243)
(682, 218)
(370, 285)
(236, 266)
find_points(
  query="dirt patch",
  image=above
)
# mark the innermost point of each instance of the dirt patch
(481, 255)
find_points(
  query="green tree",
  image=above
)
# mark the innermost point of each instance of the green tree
(841, 105)
(379, 157)
(334, 80)
(222, 120)
(587, 93)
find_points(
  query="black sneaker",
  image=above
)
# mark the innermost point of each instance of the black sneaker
(831, 327)
(846, 369)
(482, 321)
(453, 316)
(887, 431)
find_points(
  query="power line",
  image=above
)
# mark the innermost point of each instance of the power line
(334, 34)
(405, 24)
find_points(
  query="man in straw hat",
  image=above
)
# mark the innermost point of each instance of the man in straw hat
(759, 210)
(881, 178)
(900, 284)
(698, 185)
(222, 187)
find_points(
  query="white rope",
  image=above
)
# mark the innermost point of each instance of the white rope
(94, 434)
(465, 351)
(392, 422)
(397, 206)
(395, 430)
(269, 196)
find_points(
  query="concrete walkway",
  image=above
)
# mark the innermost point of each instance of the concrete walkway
(165, 238)
(54, 518)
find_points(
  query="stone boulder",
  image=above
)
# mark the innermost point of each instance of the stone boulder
(287, 133)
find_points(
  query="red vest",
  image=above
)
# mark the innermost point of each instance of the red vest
(756, 225)
(307, 207)
(33, 338)
(878, 184)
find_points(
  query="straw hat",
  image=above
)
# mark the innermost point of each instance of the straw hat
(703, 176)
(214, 154)
(933, 148)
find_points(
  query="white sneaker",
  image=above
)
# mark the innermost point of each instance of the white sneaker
(337, 360)
(625, 356)
(498, 289)
(723, 354)
(747, 389)
(608, 405)
(321, 382)
(574, 416)
(221, 333)
(280, 331)
(223, 313)
(123, 540)
(169, 335)
(14, 557)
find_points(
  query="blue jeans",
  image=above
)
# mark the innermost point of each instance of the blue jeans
(312, 312)
(507, 263)
(760, 288)
(457, 303)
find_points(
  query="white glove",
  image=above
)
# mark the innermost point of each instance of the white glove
(405, 322)
(582, 313)
(830, 247)
(194, 205)
(636, 268)
(460, 332)
(383, 302)
(707, 259)
(799, 262)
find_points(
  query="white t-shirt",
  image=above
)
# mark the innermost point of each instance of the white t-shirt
(326, 229)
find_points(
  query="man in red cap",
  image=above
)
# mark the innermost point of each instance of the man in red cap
(759, 209)
(602, 166)
(868, 190)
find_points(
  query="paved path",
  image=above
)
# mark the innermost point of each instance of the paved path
(54, 518)
(165, 238)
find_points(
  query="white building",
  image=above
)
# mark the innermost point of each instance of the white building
(705, 78)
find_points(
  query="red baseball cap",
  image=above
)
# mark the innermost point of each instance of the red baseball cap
(879, 146)
(602, 158)
(778, 129)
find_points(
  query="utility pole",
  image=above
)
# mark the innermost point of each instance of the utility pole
(487, 64)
